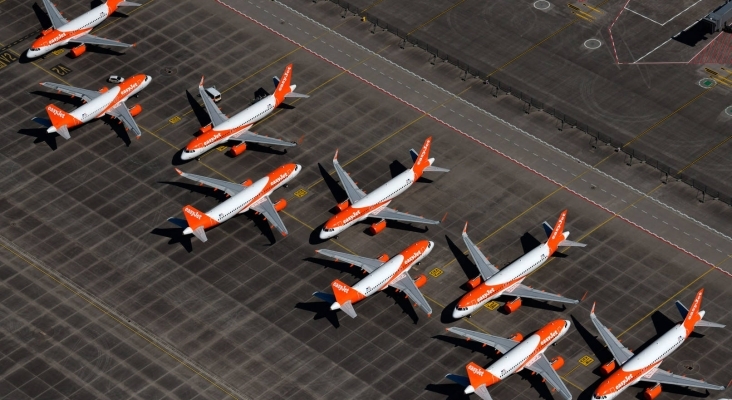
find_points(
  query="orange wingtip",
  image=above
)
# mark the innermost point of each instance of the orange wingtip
(335, 157)
(593, 308)
(201, 84)
(465, 228)
(179, 171)
(584, 295)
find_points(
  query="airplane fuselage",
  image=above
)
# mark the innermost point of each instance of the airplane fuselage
(78, 26)
(240, 122)
(507, 278)
(369, 204)
(643, 363)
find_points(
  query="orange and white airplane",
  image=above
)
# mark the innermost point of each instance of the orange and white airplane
(518, 354)
(383, 272)
(507, 281)
(243, 197)
(644, 366)
(77, 30)
(236, 129)
(374, 204)
(98, 104)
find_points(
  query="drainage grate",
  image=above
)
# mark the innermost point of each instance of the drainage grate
(169, 71)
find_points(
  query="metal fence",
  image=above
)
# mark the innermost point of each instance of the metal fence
(632, 155)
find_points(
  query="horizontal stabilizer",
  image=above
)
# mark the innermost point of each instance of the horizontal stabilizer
(128, 4)
(547, 229)
(200, 233)
(432, 168)
(326, 297)
(180, 222)
(347, 308)
(63, 130)
(482, 392)
(42, 121)
(709, 324)
(569, 243)
(459, 379)
(298, 95)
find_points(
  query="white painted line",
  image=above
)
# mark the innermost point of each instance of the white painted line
(665, 222)
(613, 195)
(676, 228)
(657, 47)
(535, 155)
(654, 216)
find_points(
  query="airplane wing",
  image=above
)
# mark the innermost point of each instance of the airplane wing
(529, 293)
(394, 215)
(267, 209)
(230, 188)
(96, 40)
(667, 378)
(499, 343)
(543, 367)
(251, 137)
(406, 285)
(484, 266)
(122, 113)
(367, 264)
(354, 193)
(85, 94)
(217, 117)
(56, 19)
(620, 352)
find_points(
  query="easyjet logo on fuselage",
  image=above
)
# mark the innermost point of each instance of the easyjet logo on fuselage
(625, 380)
(131, 88)
(342, 288)
(548, 338)
(279, 178)
(413, 257)
(486, 295)
(475, 370)
(212, 139)
(57, 38)
(193, 213)
(351, 217)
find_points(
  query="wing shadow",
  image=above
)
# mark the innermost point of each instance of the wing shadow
(596, 346)
(219, 195)
(339, 194)
(470, 269)
(43, 18)
(198, 110)
(61, 97)
(529, 242)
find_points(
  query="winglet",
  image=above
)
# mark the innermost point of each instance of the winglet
(335, 157)
(179, 171)
(592, 312)
(465, 229)
(201, 84)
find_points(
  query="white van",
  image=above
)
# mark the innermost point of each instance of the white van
(214, 94)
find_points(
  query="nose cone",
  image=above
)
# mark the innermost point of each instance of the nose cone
(325, 235)
(457, 314)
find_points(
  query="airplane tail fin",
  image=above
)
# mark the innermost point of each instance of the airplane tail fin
(693, 316)
(558, 235)
(345, 297)
(422, 162)
(480, 379)
(61, 121)
(198, 222)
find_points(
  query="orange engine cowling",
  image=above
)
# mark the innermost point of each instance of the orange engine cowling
(608, 368)
(420, 281)
(280, 205)
(512, 306)
(204, 129)
(378, 227)
(78, 50)
(136, 109)
(238, 149)
(342, 206)
(517, 337)
(247, 183)
(383, 258)
(475, 282)
(557, 362)
(652, 392)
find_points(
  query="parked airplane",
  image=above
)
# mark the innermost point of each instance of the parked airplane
(383, 272)
(644, 365)
(98, 104)
(374, 205)
(77, 30)
(519, 353)
(243, 197)
(508, 280)
(236, 129)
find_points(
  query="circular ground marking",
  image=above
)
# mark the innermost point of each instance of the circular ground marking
(707, 83)
(593, 44)
(542, 4)
(728, 111)
(169, 71)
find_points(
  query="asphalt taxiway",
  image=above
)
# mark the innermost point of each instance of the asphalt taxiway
(234, 317)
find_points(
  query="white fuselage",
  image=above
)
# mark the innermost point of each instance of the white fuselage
(244, 200)
(96, 108)
(650, 356)
(523, 355)
(237, 124)
(382, 196)
(78, 26)
(513, 274)
(377, 280)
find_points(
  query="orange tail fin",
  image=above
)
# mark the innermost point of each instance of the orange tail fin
(423, 160)
(196, 218)
(558, 232)
(479, 376)
(344, 293)
(60, 117)
(284, 86)
(693, 316)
